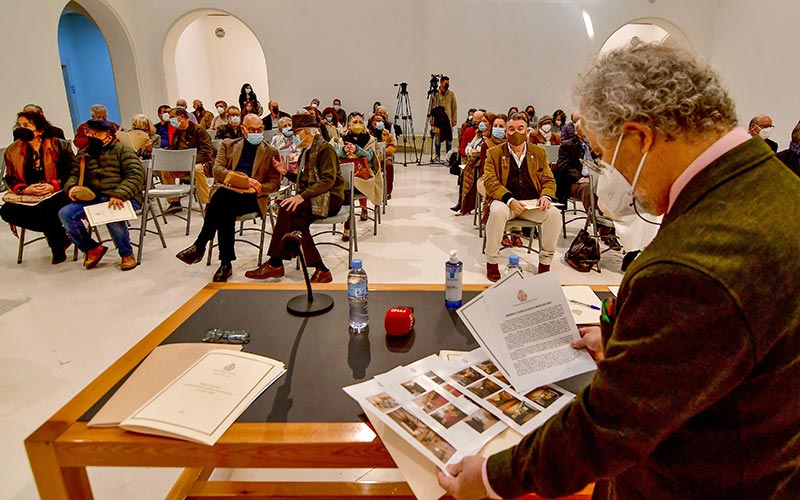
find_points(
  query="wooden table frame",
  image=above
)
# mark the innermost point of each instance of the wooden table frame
(60, 449)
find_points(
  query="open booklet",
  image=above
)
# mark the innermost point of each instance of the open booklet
(201, 403)
(526, 326)
(100, 213)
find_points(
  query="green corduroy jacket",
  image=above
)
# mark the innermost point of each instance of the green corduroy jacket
(699, 394)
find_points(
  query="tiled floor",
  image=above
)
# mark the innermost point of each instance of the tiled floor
(62, 325)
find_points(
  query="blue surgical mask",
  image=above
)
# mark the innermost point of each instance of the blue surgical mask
(498, 133)
(296, 140)
(482, 127)
(255, 139)
(380, 125)
(287, 132)
(174, 121)
(329, 119)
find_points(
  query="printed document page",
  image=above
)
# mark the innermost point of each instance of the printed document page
(101, 213)
(532, 331)
(202, 402)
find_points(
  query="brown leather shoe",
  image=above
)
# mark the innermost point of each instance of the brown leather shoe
(93, 256)
(191, 255)
(128, 263)
(346, 235)
(264, 272)
(321, 277)
(543, 268)
(224, 272)
(492, 272)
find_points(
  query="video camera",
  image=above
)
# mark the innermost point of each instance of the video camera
(434, 86)
(403, 87)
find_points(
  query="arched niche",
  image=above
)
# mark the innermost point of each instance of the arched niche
(208, 55)
(648, 29)
(121, 51)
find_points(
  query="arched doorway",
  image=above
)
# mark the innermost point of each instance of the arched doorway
(647, 30)
(208, 55)
(98, 62)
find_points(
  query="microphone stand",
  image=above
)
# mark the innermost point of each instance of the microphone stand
(308, 304)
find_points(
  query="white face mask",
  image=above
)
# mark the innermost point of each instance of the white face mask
(765, 132)
(613, 190)
(234, 120)
(546, 128)
(165, 117)
(220, 109)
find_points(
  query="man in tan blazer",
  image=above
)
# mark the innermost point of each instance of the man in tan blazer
(246, 171)
(519, 184)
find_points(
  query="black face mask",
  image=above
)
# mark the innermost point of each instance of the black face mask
(23, 134)
(276, 110)
(95, 146)
(446, 86)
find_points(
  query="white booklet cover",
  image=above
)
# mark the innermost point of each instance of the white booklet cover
(526, 326)
(478, 377)
(203, 401)
(100, 213)
(436, 418)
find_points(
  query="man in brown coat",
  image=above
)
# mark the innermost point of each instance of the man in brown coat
(519, 184)
(256, 165)
(190, 136)
(695, 394)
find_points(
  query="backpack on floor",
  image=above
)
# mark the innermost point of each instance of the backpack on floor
(583, 253)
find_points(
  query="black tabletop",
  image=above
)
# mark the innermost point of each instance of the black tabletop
(320, 353)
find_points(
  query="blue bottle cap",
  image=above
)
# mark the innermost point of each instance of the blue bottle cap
(356, 264)
(513, 260)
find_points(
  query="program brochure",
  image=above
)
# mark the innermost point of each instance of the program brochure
(203, 401)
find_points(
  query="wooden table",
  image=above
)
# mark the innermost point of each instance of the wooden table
(60, 449)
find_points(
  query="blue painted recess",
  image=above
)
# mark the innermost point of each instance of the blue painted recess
(86, 63)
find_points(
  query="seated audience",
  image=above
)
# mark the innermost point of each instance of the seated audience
(393, 128)
(284, 142)
(533, 120)
(240, 188)
(761, 126)
(141, 137)
(275, 114)
(572, 178)
(340, 113)
(314, 103)
(248, 95)
(232, 129)
(113, 174)
(517, 174)
(163, 128)
(99, 112)
(375, 106)
(378, 129)
(357, 142)
(330, 120)
(469, 122)
(222, 115)
(188, 136)
(559, 120)
(53, 131)
(544, 133)
(203, 117)
(320, 194)
(791, 157)
(181, 103)
(37, 165)
(472, 169)
(512, 110)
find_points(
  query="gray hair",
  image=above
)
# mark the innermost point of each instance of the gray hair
(142, 122)
(285, 120)
(97, 108)
(660, 86)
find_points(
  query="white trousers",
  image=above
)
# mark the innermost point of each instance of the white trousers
(499, 214)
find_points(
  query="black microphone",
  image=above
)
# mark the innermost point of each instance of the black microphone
(301, 305)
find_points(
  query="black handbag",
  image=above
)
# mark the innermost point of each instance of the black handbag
(583, 253)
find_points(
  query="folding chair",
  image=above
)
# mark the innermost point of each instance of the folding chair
(536, 227)
(169, 160)
(146, 212)
(3, 187)
(382, 159)
(254, 216)
(346, 213)
(375, 210)
(212, 133)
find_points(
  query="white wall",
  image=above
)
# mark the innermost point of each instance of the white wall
(755, 50)
(207, 71)
(498, 52)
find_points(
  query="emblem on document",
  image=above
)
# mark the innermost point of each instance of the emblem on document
(522, 296)
(230, 367)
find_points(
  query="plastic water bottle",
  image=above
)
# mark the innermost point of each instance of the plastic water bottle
(513, 264)
(357, 297)
(453, 269)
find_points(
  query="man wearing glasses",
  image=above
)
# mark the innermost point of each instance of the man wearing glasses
(761, 126)
(246, 171)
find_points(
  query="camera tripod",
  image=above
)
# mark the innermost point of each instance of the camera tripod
(402, 113)
(433, 101)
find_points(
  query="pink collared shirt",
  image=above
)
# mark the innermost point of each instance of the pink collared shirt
(734, 138)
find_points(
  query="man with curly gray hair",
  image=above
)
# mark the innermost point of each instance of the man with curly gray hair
(695, 394)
